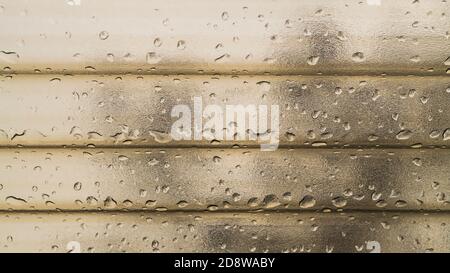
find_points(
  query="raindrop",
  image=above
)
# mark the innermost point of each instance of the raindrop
(103, 35)
(271, 201)
(307, 202)
(15, 201)
(447, 61)
(404, 135)
(181, 44)
(9, 57)
(253, 202)
(225, 16)
(161, 137)
(358, 57)
(264, 86)
(446, 134)
(182, 204)
(152, 58)
(339, 202)
(417, 162)
(401, 204)
(290, 136)
(110, 203)
(157, 42)
(312, 60)
(77, 186)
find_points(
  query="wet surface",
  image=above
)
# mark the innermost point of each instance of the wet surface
(88, 156)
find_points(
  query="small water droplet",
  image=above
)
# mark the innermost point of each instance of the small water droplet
(225, 16)
(339, 202)
(152, 58)
(312, 60)
(77, 186)
(103, 35)
(181, 44)
(358, 57)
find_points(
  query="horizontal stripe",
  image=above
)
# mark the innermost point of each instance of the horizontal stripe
(230, 179)
(209, 36)
(59, 110)
(224, 232)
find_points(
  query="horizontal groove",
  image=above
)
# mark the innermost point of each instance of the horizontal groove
(229, 146)
(228, 179)
(224, 232)
(234, 37)
(8, 73)
(43, 110)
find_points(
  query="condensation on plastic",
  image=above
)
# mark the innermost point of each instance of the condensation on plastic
(86, 91)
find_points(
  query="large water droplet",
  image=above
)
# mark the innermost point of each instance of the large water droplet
(307, 202)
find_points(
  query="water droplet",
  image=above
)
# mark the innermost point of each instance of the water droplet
(150, 203)
(307, 202)
(263, 86)
(128, 203)
(341, 36)
(110, 57)
(339, 202)
(271, 201)
(152, 58)
(404, 135)
(110, 203)
(401, 204)
(155, 244)
(77, 186)
(181, 44)
(157, 42)
(372, 137)
(417, 162)
(358, 57)
(91, 201)
(290, 136)
(381, 203)
(182, 204)
(446, 134)
(103, 35)
(225, 16)
(161, 137)
(312, 60)
(435, 134)
(153, 162)
(73, 2)
(9, 57)
(142, 193)
(15, 201)
(212, 207)
(447, 61)
(253, 202)
(415, 59)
